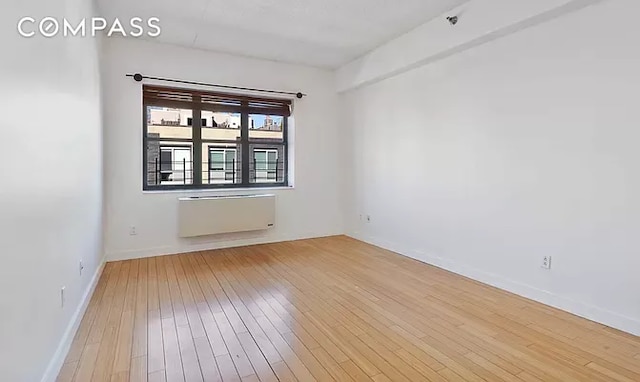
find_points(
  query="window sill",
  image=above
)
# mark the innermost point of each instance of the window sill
(218, 191)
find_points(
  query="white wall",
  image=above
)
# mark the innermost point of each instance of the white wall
(480, 21)
(526, 146)
(313, 208)
(51, 193)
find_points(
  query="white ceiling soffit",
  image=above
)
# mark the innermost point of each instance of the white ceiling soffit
(479, 22)
(324, 33)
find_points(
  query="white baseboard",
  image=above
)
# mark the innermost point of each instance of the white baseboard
(220, 244)
(603, 316)
(53, 369)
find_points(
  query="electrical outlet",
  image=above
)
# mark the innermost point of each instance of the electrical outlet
(133, 231)
(81, 267)
(62, 297)
(546, 262)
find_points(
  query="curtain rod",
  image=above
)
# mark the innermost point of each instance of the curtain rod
(139, 77)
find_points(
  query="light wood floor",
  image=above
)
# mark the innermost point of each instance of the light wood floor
(328, 309)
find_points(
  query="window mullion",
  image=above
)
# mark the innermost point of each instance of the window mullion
(196, 134)
(285, 151)
(244, 143)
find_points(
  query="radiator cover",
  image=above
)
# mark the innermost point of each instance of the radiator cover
(211, 215)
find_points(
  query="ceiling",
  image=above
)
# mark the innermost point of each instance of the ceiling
(324, 33)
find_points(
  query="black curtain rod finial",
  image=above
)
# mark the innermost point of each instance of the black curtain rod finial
(138, 77)
(299, 95)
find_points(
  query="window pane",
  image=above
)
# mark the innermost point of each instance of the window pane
(229, 164)
(221, 126)
(169, 163)
(266, 127)
(267, 164)
(168, 123)
(217, 160)
(272, 160)
(166, 157)
(230, 157)
(221, 164)
(260, 158)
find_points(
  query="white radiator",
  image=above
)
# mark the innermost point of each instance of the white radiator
(210, 215)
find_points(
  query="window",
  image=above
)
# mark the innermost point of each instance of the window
(222, 165)
(196, 139)
(203, 123)
(175, 165)
(266, 165)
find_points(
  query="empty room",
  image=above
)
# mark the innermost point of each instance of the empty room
(329, 190)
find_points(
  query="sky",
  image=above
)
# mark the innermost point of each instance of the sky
(259, 119)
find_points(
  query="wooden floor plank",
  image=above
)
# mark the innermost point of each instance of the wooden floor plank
(172, 357)
(100, 322)
(87, 362)
(227, 369)
(328, 309)
(82, 335)
(190, 364)
(155, 343)
(67, 372)
(139, 345)
(122, 361)
(157, 376)
(207, 360)
(109, 341)
(138, 369)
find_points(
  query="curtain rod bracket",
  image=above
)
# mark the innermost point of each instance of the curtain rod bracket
(139, 77)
